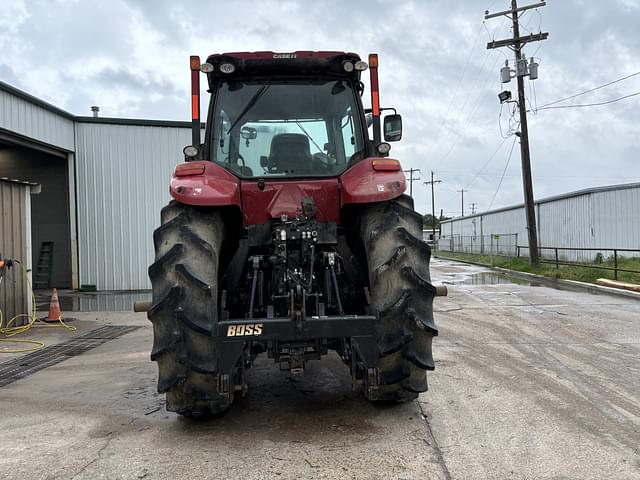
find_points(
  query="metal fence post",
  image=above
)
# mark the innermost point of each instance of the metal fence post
(557, 265)
(615, 264)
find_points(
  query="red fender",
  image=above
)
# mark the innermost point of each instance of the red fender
(362, 184)
(215, 186)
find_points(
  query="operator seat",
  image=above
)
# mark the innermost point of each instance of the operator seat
(290, 153)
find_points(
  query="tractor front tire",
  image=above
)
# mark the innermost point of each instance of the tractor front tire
(184, 310)
(402, 297)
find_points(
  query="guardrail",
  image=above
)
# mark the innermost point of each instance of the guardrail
(506, 245)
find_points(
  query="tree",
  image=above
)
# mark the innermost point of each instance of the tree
(428, 221)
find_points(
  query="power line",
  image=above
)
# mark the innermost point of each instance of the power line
(486, 163)
(450, 123)
(454, 97)
(589, 91)
(503, 172)
(442, 139)
(546, 177)
(412, 179)
(478, 173)
(583, 105)
(467, 122)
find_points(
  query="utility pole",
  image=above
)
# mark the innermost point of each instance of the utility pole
(412, 179)
(462, 192)
(522, 68)
(473, 208)
(433, 206)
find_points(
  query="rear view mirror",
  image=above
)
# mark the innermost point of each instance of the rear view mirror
(249, 133)
(392, 128)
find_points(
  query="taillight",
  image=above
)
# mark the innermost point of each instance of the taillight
(190, 168)
(386, 165)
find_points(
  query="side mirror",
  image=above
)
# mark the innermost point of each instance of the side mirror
(249, 133)
(392, 128)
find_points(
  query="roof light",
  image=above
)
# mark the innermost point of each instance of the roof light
(185, 169)
(386, 164)
(194, 62)
(373, 60)
(360, 66)
(227, 68)
(383, 148)
(206, 68)
(191, 151)
(348, 66)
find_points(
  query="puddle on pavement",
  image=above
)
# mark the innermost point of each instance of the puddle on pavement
(487, 278)
(71, 301)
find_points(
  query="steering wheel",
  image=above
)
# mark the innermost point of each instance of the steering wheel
(240, 157)
(322, 161)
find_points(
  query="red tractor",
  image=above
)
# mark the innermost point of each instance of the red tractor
(289, 234)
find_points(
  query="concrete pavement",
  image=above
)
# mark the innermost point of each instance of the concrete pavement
(531, 382)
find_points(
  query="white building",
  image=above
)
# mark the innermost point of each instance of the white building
(603, 218)
(104, 181)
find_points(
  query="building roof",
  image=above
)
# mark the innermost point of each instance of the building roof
(83, 119)
(577, 193)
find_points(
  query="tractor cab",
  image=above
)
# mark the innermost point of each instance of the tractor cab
(287, 115)
(285, 127)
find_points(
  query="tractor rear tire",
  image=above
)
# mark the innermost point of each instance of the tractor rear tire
(184, 310)
(402, 296)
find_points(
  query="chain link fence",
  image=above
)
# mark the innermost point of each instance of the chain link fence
(504, 244)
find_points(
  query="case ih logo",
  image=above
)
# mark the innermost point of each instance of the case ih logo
(284, 55)
(244, 330)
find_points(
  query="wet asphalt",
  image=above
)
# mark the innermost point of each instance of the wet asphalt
(530, 382)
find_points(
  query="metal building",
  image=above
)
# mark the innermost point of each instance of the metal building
(15, 244)
(104, 181)
(600, 218)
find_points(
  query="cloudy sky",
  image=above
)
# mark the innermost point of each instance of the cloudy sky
(131, 58)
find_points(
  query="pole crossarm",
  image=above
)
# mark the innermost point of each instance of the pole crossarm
(518, 41)
(412, 179)
(433, 206)
(515, 10)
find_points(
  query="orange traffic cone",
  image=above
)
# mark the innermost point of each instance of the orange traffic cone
(54, 308)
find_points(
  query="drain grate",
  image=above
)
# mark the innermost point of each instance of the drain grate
(33, 362)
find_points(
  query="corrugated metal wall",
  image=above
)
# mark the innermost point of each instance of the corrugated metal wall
(15, 243)
(606, 218)
(566, 222)
(616, 218)
(26, 118)
(123, 182)
(505, 222)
